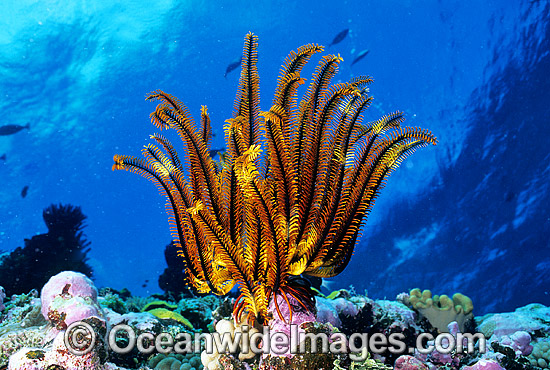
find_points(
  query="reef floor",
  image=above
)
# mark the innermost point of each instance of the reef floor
(72, 325)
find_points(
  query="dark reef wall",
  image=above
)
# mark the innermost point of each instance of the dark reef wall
(63, 247)
(172, 281)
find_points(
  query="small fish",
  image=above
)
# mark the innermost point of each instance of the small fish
(360, 55)
(232, 66)
(339, 37)
(213, 152)
(12, 129)
(24, 191)
(3, 157)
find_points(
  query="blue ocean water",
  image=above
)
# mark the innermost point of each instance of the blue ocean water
(469, 215)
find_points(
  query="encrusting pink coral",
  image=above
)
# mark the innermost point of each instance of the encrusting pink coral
(519, 342)
(67, 284)
(407, 362)
(69, 297)
(484, 365)
(283, 325)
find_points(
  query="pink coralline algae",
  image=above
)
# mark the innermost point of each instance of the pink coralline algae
(407, 362)
(38, 359)
(69, 297)
(330, 310)
(299, 314)
(519, 342)
(283, 324)
(436, 357)
(67, 285)
(484, 365)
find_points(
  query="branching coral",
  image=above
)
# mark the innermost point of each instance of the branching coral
(260, 219)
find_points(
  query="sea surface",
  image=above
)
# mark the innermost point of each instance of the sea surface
(470, 215)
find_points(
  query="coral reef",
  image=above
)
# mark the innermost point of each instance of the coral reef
(451, 359)
(69, 297)
(531, 318)
(271, 356)
(540, 356)
(519, 340)
(330, 310)
(57, 354)
(175, 362)
(13, 340)
(63, 247)
(21, 325)
(23, 311)
(484, 365)
(307, 358)
(407, 362)
(66, 298)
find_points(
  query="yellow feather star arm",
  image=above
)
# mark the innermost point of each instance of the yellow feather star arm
(247, 102)
(260, 195)
(322, 151)
(331, 197)
(378, 164)
(305, 135)
(206, 127)
(179, 191)
(201, 164)
(142, 167)
(280, 166)
(289, 79)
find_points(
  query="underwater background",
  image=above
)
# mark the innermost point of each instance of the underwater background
(469, 215)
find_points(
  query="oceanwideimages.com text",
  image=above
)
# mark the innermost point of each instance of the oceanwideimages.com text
(80, 339)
